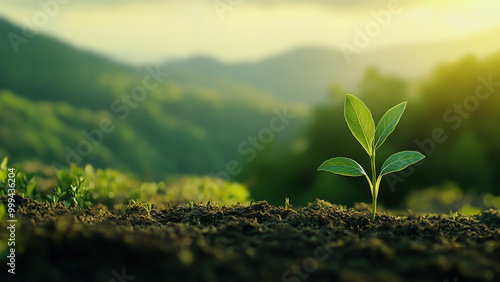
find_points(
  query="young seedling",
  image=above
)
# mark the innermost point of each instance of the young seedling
(360, 122)
(76, 192)
(57, 196)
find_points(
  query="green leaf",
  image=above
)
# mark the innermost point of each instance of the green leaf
(400, 161)
(387, 124)
(67, 204)
(342, 166)
(3, 165)
(360, 121)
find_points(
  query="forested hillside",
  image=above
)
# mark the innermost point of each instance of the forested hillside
(55, 100)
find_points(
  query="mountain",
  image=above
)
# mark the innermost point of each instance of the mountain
(60, 104)
(415, 60)
(47, 69)
(305, 74)
(299, 76)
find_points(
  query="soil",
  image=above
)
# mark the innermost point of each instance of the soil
(260, 242)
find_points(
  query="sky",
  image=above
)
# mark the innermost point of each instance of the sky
(149, 31)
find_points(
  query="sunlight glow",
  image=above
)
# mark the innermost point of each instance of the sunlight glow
(148, 31)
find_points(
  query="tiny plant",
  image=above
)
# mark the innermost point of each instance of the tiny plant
(148, 206)
(287, 203)
(76, 191)
(57, 196)
(360, 122)
(453, 215)
(138, 204)
(71, 196)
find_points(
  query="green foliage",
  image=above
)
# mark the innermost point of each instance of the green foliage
(3, 176)
(491, 202)
(360, 122)
(3, 165)
(449, 196)
(26, 183)
(133, 204)
(28, 186)
(77, 192)
(469, 210)
(3, 226)
(195, 125)
(3, 213)
(72, 195)
(58, 196)
(84, 187)
(204, 189)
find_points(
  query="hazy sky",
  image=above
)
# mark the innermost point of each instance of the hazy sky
(245, 30)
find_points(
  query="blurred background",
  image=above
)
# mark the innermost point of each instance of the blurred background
(244, 99)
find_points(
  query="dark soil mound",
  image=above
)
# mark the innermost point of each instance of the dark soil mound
(260, 242)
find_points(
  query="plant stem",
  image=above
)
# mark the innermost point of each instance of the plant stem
(374, 207)
(374, 186)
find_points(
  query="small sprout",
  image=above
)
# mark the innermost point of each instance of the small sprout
(57, 196)
(102, 212)
(51, 199)
(287, 203)
(148, 207)
(76, 192)
(71, 196)
(360, 122)
(453, 215)
(212, 203)
(136, 204)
